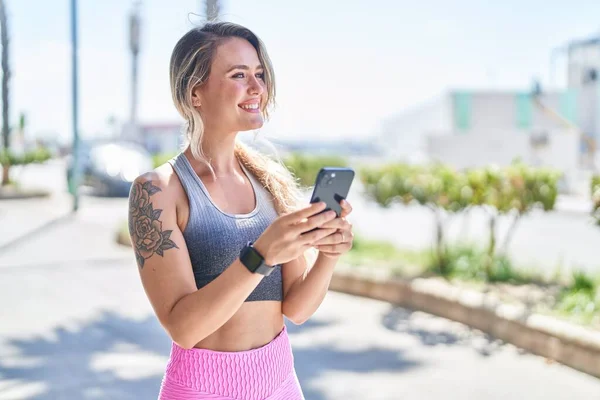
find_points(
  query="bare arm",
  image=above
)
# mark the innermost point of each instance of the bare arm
(188, 314)
(306, 284)
(305, 287)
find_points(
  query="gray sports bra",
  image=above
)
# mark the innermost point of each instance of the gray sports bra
(214, 238)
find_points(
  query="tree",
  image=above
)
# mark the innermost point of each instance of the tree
(213, 9)
(8, 158)
(5, 80)
(440, 188)
(514, 190)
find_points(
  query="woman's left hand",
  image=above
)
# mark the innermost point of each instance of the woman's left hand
(339, 242)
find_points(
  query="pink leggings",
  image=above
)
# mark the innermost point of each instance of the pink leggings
(265, 373)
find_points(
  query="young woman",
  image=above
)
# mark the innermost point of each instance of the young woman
(220, 238)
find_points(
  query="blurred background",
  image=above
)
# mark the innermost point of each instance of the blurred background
(473, 128)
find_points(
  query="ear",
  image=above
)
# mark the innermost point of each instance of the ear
(196, 97)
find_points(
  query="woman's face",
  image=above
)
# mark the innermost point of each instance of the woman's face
(235, 92)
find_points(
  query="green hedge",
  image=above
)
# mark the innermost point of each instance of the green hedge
(306, 167)
(516, 187)
(39, 155)
(514, 190)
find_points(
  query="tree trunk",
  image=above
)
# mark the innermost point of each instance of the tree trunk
(440, 250)
(510, 233)
(492, 247)
(5, 79)
(5, 175)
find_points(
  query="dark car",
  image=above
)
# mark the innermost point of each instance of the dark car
(109, 168)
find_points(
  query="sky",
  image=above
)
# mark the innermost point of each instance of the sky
(342, 68)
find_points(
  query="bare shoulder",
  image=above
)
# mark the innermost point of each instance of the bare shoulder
(163, 178)
(152, 208)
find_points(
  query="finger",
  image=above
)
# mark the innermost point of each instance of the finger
(316, 235)
(304, 213)
(338, 223)
(316, 221)
(335, 238)
(328, 252)
(334, 248)
(346, 208)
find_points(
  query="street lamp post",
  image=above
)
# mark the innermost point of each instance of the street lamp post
(74, 182)
(134, 46)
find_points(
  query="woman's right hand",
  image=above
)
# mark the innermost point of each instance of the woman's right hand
(289, 236)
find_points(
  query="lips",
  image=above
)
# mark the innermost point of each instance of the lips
(250, 106)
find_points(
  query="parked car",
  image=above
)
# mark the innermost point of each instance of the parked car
(109, 168)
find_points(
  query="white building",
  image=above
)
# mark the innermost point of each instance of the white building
(558, 129)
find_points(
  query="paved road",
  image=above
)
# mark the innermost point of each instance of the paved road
(75, 324)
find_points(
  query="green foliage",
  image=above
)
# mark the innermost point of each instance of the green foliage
(39, 155)
(582, 298)
(374, 248)
(595, 191)
(582, 282)
(516, 189)
(306, 167)
(465, 263)
(161, 158)
(377, 254)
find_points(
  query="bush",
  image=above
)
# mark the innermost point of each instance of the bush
(515, 189)
(305, 168)
(38, 155)
(161, 158)
(465, 263)
(581, 298)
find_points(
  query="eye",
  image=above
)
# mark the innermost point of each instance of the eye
(260, 75)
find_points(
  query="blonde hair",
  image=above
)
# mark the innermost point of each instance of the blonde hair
(190, 67)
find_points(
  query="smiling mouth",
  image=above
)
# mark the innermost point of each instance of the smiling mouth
(252, 107)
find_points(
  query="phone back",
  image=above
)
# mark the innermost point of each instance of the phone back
(331, 186)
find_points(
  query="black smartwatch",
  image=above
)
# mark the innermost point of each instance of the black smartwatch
(254, 261)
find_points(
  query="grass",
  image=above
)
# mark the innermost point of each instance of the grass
(580, 301)
(577, 298)
(466, 262)
(378, 253)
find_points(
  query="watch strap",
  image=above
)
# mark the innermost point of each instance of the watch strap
(254, 261)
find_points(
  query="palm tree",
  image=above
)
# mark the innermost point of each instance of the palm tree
(213, 8)
(5, 78)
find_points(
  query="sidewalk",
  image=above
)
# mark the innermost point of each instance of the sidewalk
(573, 204)
(79, 326)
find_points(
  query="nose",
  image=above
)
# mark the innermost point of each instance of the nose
(256, 86)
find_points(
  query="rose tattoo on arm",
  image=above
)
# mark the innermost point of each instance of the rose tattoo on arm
(145, 227)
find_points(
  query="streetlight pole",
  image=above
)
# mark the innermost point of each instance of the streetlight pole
(134, 46)
(74, 183)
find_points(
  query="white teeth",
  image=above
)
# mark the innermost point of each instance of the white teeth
(250, 106)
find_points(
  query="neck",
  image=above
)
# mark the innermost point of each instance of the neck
(219, 150)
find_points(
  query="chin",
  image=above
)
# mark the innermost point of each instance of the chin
(252, 126)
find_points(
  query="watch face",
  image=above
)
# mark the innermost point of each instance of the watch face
(251, 259)
(254, 259)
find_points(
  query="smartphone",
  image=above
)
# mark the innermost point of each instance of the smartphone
(332, 186)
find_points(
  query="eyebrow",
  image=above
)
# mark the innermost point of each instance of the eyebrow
(244, 67)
